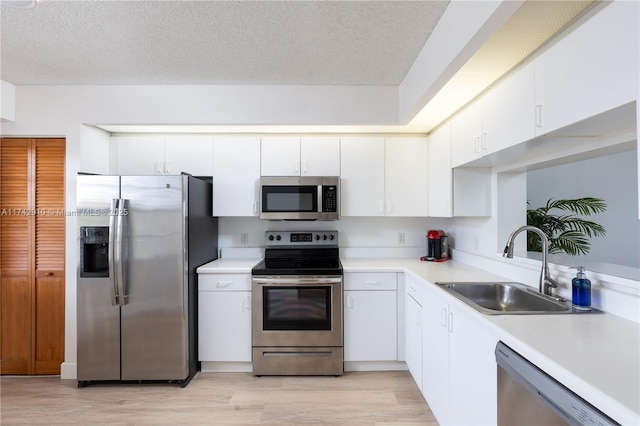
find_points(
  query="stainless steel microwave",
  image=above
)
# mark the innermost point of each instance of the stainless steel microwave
(300, 198)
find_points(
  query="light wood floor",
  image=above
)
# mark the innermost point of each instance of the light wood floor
(357, 398)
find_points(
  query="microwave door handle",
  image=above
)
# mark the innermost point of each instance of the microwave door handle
(113, 281)
(121, 214)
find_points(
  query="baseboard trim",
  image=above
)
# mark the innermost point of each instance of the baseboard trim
(69, 371)
(374, 366)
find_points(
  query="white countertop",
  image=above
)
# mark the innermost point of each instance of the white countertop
(595, 355)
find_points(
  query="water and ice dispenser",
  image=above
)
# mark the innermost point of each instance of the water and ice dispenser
(94, 251)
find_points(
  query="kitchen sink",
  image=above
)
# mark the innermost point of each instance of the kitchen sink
(508, 298)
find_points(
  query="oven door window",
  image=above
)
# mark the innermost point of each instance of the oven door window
(297, 308)
(289, 199)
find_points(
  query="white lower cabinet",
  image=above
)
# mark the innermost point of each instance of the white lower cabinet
(370, 317)
(413, 328)
(224, 317)
(459, 369)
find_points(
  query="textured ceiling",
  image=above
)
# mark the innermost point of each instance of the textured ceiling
(214, 42)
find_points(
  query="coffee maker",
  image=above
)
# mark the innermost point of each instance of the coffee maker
(437, 246)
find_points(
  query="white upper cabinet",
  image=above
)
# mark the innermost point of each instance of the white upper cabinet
(293, 156)
(383, 177)
(405, 176)
(236, 175)
(362, 176)
(147, 155)
(320, 156)
(139, 155)
(591, 70)
(467, 136)
(191, 154)
(440, 187)
(507, 117)
(500, 118)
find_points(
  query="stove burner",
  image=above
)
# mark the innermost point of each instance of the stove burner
(300, 253)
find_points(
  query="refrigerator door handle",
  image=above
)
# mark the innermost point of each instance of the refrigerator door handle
(120, 213)
(113, 282)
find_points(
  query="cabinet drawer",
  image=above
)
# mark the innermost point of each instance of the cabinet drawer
(224, 282)
(370, 281)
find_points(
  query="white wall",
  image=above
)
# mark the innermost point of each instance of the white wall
(356, 234)
(612, 178)
(7, 101)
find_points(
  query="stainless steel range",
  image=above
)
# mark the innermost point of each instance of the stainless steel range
(297, 305)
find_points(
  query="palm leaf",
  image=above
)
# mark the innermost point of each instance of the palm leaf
(582, 206)
(565, 232)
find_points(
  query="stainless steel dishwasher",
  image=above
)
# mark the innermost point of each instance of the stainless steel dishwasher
(528, 396)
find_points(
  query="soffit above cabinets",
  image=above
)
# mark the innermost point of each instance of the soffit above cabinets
(317, 43)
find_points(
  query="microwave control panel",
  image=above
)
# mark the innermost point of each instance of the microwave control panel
(329, 198)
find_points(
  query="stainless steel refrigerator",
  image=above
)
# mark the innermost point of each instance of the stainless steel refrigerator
(141, 239)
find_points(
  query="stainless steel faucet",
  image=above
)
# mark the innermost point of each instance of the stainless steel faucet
(546, 282)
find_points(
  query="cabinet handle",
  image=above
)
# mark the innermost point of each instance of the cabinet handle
(483, 140)
(349, 302)
(372, 282)
(443, 317)
(246, 305)
(450, 321)
(538, 116)
(167, 166)
(158, 167)
(223, 284)
(255, 207)
(305, 167)
(476, 144)
(381, 207)
(389, 207)
(296, 167)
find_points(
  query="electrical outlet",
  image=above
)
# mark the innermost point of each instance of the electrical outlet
(244, 239)
(400, 237)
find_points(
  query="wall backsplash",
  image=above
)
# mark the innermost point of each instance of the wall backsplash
(355, 232)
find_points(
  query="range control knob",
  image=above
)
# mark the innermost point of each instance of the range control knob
(331, 237)
(271, 237)
(324, 237)
(278, 237)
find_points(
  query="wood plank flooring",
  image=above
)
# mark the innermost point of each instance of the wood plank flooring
(388, 398)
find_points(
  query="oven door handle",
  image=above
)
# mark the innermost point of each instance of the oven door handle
(297, 281)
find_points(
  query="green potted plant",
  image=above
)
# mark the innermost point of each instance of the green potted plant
(567, 232)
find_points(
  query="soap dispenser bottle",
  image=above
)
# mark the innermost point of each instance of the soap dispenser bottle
(581, 289)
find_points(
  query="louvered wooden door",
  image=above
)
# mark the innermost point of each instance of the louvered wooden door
(32, 241)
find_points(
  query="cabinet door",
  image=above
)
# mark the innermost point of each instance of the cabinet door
(320, 156)
(224, 326)
(280, 156)
(140, 155)
(189, 154)
(473, 389)
(508, 112)
(413, 338)
(591, 70)
(236, 176)
(362, 176)
(466, 135)
(405, 177)
(370, 326)
(435, 355)
(440, 174)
